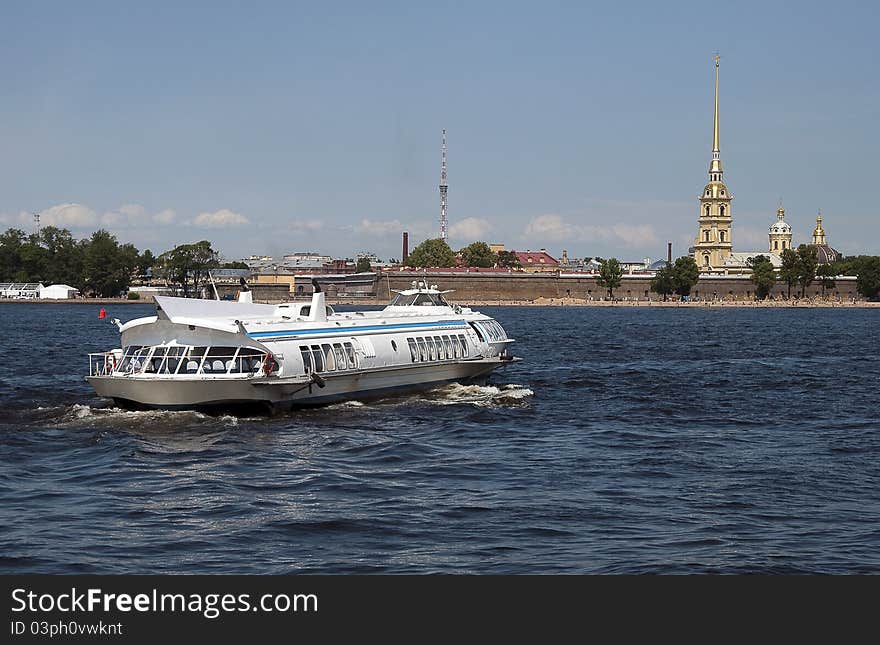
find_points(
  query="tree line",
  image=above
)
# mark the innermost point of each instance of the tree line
(800, 268)
(437, 253)
(99, 265)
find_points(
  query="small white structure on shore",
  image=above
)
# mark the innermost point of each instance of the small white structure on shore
(58, 292)
(21, 290)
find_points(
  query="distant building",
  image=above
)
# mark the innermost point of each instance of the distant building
(21, 290)
(824, 253)
(536, 261)
(714, 243)
(58, 292)
(780, 233)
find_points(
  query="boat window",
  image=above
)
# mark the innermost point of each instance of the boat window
(139, 360)
(127, 357)
(249, 360)
(432, 353)
(329, 359)
(476, 328)
(307, 358)
(400, 300)
(192, 360)
(352, 355)
(340, 357)
(424, 299)
(218, 360)
(413, 350)
(317, 358)
(441, 348)
(305, 310)
(463, 342)
(423, 349)
(450, 353)
(172, 360)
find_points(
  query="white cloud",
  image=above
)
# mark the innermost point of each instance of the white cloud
(224, 218)
(166, 216)
(554, 228)
(307, 225)
(470, 228)
(75, 216)
(136, 216)
(373, 227)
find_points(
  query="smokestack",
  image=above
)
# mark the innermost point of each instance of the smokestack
(405, 247)
(669, 252)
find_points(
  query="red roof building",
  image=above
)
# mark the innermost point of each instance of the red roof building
(532, 261)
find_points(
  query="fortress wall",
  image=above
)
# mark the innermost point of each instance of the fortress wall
(472, 287)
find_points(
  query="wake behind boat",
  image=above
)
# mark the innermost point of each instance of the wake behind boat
(196, 354)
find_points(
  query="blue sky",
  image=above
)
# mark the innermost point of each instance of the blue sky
(276, 127)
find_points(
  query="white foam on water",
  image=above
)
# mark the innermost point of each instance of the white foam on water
(480, 395)
(346, 404)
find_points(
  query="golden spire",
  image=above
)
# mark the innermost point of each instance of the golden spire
(715, 168)
(715, 145)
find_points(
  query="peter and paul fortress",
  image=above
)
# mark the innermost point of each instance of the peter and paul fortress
(713, 248)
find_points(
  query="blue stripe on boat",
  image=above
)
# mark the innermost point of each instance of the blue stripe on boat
(349, 330)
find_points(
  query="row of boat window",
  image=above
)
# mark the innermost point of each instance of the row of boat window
(493, 330)
(181, 359)
(437, 348)
(328, 357)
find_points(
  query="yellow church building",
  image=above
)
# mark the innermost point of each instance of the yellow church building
(713, 248)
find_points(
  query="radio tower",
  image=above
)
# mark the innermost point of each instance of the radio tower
(37, 222)
(443, 188)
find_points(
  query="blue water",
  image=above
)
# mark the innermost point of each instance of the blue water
(630, 440)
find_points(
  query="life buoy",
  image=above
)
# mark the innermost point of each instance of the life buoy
(269, 364)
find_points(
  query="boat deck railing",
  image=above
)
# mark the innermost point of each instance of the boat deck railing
(211, 365)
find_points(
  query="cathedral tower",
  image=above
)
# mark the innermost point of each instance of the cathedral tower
(819, 232)
(713, 241)
(780, 233)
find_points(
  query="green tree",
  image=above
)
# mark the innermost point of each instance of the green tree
(234, 265)
(663, 281)
(478, 254)
(825, 274)
(34, 259)
(868, 276)
(807, 264)
(508, 260)
(146, 262)
(686, 274)
(763, 275)
(431, 253)
(107, 266)
(363, 265)
(789, 272)
(187, 265)
(11, 243)
(610, 275)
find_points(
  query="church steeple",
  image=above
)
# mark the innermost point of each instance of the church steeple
(819, 232)
(715, 171)
(713, 244)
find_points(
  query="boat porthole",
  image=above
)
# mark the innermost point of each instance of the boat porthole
(394, 345)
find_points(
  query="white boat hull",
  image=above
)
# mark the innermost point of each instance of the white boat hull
(279, 393)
